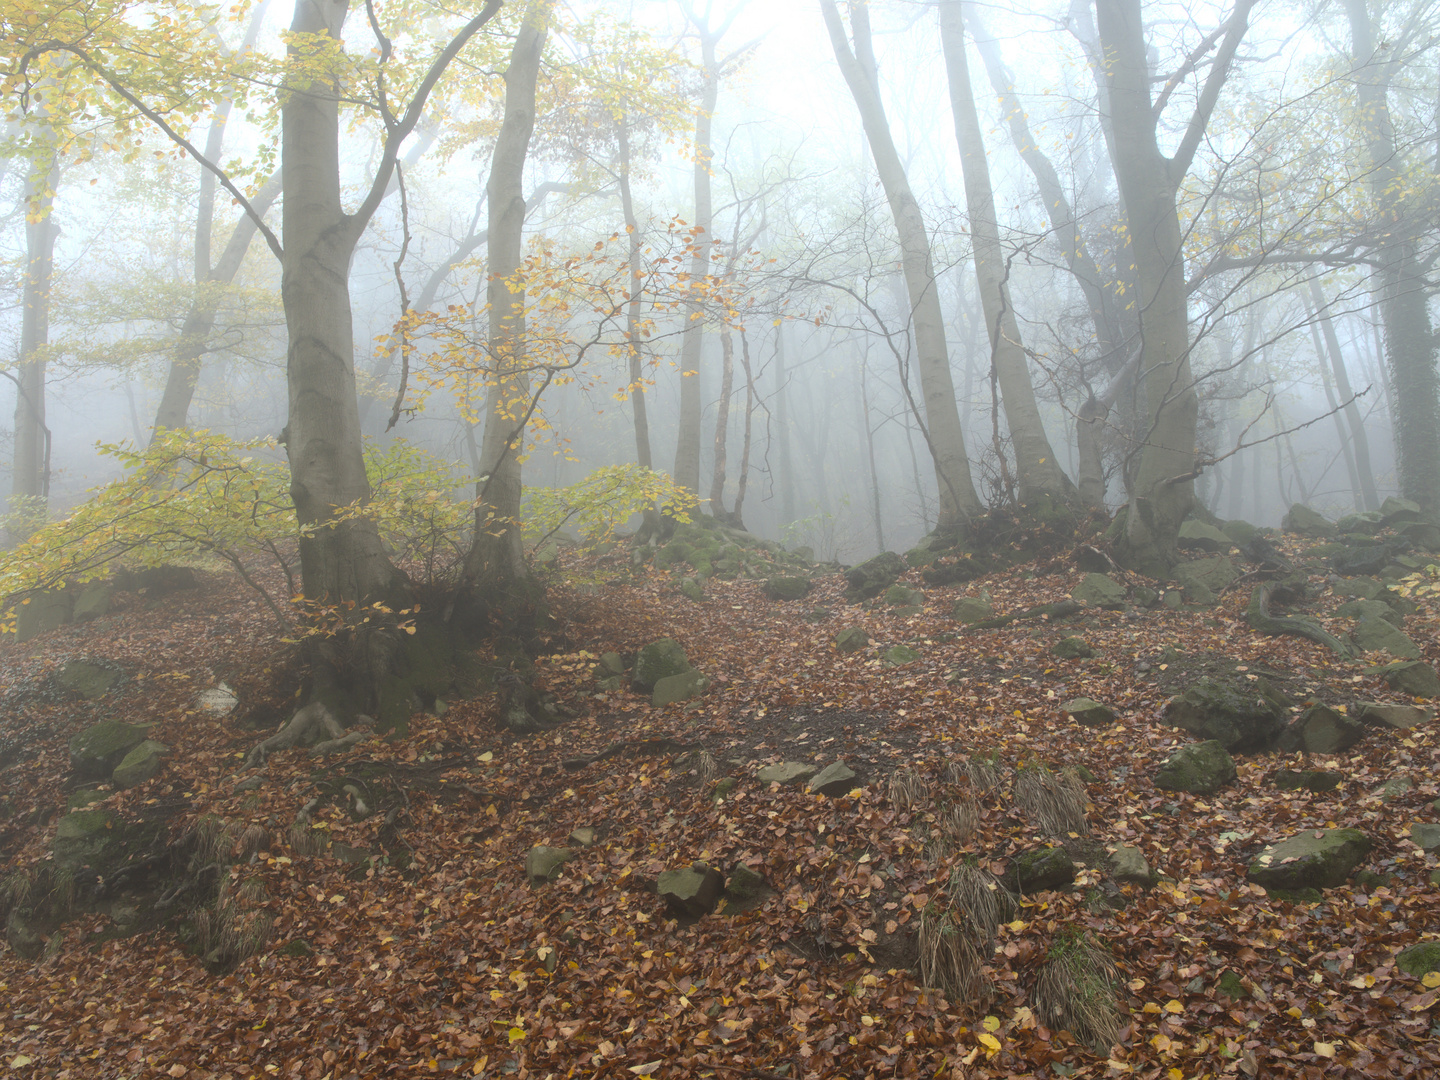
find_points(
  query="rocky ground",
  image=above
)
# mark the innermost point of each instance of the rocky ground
(1050, 820)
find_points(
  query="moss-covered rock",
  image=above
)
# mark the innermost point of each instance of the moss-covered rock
(1239, 717)
(788, 588)
(691, 892)
(96, 751)
(677, 688)
(656, 661)
(1041, 868)
(1072, 648)
(1306, 780)
(1419, 960)
(140, 764)
(873, 577)
(544, 863)
(1413, 677)
(1302, 521)
(900, 655)
(91, 681)
(1201, 768)
(852, 639)
(972, 609)
(1313, 859)
(1089, 712)
(1099, 590)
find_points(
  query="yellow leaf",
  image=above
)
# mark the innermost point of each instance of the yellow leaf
(646, 1069)
(19, 1061)
(1324, 1049)
(1173, 1006)
(487, 756)
(516, 1034)
(990, 1042)
(1430, 980)
(991, 1023)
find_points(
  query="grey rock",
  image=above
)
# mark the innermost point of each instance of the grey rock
(96, 751)
(610, 663)
(85, 837)
(1368, 609)
(902, 596)
(787, 588)
(1395, 510)
(543, 863)
(1413, 677)
(90, 681)
(584, 836)
(1368, 560)
(1198, 575)
(1366, 588)
(1200, 768)
(1313, 859)
(1302, 521)
(1422, 534)
(1240, 532)
(1099, 590)
(786, 774)
(140, 764)
(681, 687)
(219, 700)
(874, 576)
(656, 661)
(1239, 716)
(1377, 635)
(1089, 712)
(1368, 522)
(972, 609)
(93, 601)
(1395, 787)
(1419, 960)
(1399, 717)
(24, 935)
(900, 655)
(835, 779)
(1307, 780)
(1072, 648)
(1425, 836)
(745, 890)
(1127, 863)
(1323, 730)
(691, 589)
(852, 639)
(693, 891)
(1198, 536)
(611, 684)
(40, 611)
(1041, 868)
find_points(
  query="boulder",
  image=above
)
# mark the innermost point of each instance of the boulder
(1368, 560)
(1307, 780)
(1313, 859)
(610, 663)
(1127, 864)
(691, 892)
(1040, 868)
(1378, 635)
(84, 837)
(787, 588)
(1425, 836)
(1399, 717)
(1368, 522)
(1089, 712)
(972, 609)
(900, 655)
(1072, 648)
(1239, 532)
(93, 601)
(218, 700)
(874, 576)
(1395, 787)
(1420, 959)
(852, 639)
(584, 837)
(786, 774)
(1422, 534)
(1302, 521)
(1395, 510)
(745, 890)
(96, 751)
(1365, 588)
(692, 590)
(656, 661)
(140, 764)
(1240, 717)
(681, 687)
(1099, 590)
(40, 610)
(1322, 730)
(90, 681)
(543, 863)
(1205, 577)
(837, 778)
(902, 596)
(1200, 768)
(1369, 609)
(1198, 536)
(1413, 677)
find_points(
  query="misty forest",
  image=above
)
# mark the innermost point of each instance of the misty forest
(686, 538)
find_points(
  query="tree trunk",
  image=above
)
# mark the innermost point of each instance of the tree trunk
(722, 423)
(1038, 473)
(632, 309)
(1370, 497)
(1342, 435)
(782, 423)
(1410, 351)
(870, 450)
(958, 501)
(30, 472)
(498, 554)
(742, 482)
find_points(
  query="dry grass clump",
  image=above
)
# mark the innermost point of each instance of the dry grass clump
(235, 926)
(255, 839)
(304, 840)
(907, 789)
(1076, 991)
(950, 960)
(955, 823)
(1054, 800)
(981, 900)
(699, 764)
(986, 771)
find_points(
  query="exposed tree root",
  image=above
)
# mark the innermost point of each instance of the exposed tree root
(313, 720)
(1260, 619)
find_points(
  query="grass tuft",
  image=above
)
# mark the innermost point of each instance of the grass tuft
(1055, 801)
(950, 961)
(1075, 990)
(235, 927)
(907, 789)
(985, 770)
(980, 900)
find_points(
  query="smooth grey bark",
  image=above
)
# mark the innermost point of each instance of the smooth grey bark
(1410, 346)
(784, 451)
(870, 449)
(742, 481)
(498, 553)
(1038, 473)
(1359, 439)
(30, 468)
(632, 309)
(1149, 184)
(958, 500)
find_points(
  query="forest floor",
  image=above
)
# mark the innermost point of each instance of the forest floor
(425, 949)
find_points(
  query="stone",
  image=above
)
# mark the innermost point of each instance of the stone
(786, 774)
(543, 863)
(1323, 730)
(1302, 521)
(819, 614)
(611, 684)
(900, 655)
(1240, 719)
(1089, 712)
(1425, 836)
(81, 798)
(874, 576)
(1368, 522)
(682, 687)
(902, 596)
(1145, 596)
(1201, 768)
(1239, 532)
(610, 663)
(1199, 575)
(1198, 536)
(1313, 859)
(1368, 609)
(745, 890)
(219, 700)
(1172, 599)
(96, 751)
(837, 778)
(1422, 534)
(1040, 868)
(1368, 560)
(82, 837)
(1378, 635)
(1395, 509)
(1099, 590)
(1307, 780)
(40, 610)
(1395, 787)
(656, 661)
(140, 764)
(1127, 864)
(93, 601)
(852, 639)
(1366, 588)
(1399, 717)
(1413, 677)
(90, 681)
(1072, 648)
(788, 588)
(972, 609)
(1419, 960)
(691, 589)
(584, 836)
(691, 892)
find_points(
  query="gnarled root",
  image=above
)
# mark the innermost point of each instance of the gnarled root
(312, 720)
